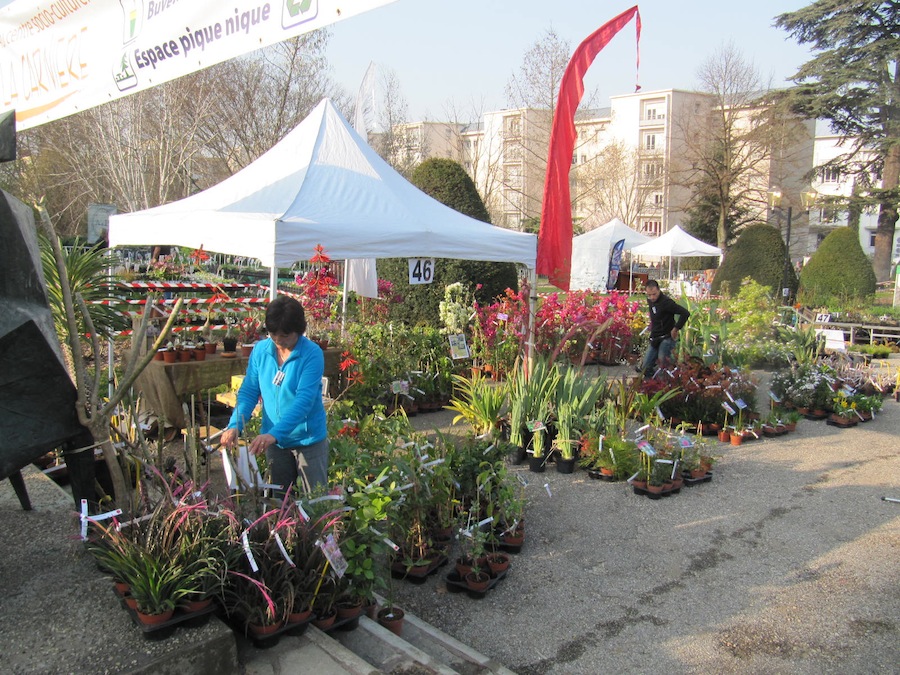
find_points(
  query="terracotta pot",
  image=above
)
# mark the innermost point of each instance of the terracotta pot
(246, 349)
(130, 602)
(349, 609)
(210, 347)
(121, 587)
(737, 439)
(792, 426)
(655, 489)
(604, 471)
(724, 436)
(463, 566)
(498, 562)
(200, 354)
(513, 539)
(185, 355)
(191, 606)
(170, 356)
(154, 619)
(325, 621)
(299, 617)
(698, 473)
(160, 355)
(392, 619)
(263, 630)
(478, 581)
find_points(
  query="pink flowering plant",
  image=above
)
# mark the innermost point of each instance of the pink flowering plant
(574, 324)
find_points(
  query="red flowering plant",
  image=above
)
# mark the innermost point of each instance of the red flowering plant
(574, 324)
(377, 310)
(319, 289)
(503, 325)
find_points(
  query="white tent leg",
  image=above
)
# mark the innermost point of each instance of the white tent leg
(344, 298)
(532, 309)
(273, 282)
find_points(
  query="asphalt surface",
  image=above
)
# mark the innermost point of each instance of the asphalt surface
(788, 561)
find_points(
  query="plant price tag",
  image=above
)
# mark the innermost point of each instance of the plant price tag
(740, 404)
(774, 397)
(333, 554)
(646, 448)
(728, 408)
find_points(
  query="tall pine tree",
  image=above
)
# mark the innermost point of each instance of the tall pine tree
(853, 81)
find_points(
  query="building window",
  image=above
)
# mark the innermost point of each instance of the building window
(872, 239)
(658, 199)
(574, 158)
(828, 215)
(651, 228)
(830, 174)
(650, 142)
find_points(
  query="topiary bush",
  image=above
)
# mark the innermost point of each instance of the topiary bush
(838, 269)
(758, 254)
(446, 181)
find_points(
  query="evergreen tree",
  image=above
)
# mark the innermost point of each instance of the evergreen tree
(446, 181)
(758, 254)
(853, 81)
(838, 269)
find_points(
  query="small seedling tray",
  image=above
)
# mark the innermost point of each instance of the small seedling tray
(690, 482)
(456, 584)
(399, 571)
(166, 628)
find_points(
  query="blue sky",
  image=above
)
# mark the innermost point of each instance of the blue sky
(467, 50)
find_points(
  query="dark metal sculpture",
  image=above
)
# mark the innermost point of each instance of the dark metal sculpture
(37, 396)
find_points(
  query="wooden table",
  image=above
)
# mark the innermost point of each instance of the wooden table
(162, 385)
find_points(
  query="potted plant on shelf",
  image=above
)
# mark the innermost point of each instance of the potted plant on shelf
(229, 341)
(249, 333)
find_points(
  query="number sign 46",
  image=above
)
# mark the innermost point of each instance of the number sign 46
(421, 270)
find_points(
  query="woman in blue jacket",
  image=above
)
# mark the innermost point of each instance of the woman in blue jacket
(285, 371)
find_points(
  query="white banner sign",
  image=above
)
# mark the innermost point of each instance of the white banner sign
(59, 57)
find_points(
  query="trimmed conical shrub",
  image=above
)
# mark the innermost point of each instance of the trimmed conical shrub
(838, 269)
(758, 254)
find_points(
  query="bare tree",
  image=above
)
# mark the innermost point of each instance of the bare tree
(395, 141)
(616, 183)
(164, 143)
(264, 95)
(733, 141)
(135, 152)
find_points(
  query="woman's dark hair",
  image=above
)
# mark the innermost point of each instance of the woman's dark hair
(285, 315)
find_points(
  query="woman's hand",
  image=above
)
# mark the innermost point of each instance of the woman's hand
(261, 443)
(229, 437)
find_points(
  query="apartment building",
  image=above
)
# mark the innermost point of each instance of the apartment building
(631, 160)
(831, 183)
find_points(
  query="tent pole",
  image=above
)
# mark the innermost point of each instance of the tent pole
(344, 300)
(273, 281)
(532, 309)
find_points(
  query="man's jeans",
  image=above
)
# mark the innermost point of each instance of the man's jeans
(663, 353)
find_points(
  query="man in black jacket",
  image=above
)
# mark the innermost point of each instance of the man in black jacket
(664, 327)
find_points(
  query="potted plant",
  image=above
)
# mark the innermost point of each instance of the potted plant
(230, 340)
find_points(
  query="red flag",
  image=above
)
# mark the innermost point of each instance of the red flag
(555, 239)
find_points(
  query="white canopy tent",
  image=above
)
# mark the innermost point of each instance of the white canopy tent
(676, 243)
(321, 184)
(591, 252)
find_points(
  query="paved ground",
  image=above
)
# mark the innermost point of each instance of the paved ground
(787, 562)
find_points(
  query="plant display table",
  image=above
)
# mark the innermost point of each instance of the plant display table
(163, 385)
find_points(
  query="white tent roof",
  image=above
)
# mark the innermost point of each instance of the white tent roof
(321, 184)
(676, 243)
(591, 250)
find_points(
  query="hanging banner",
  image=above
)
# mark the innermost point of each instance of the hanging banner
(615, 263)
(554, 256)
(60, 57)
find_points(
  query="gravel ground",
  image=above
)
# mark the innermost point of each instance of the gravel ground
(787, 561)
